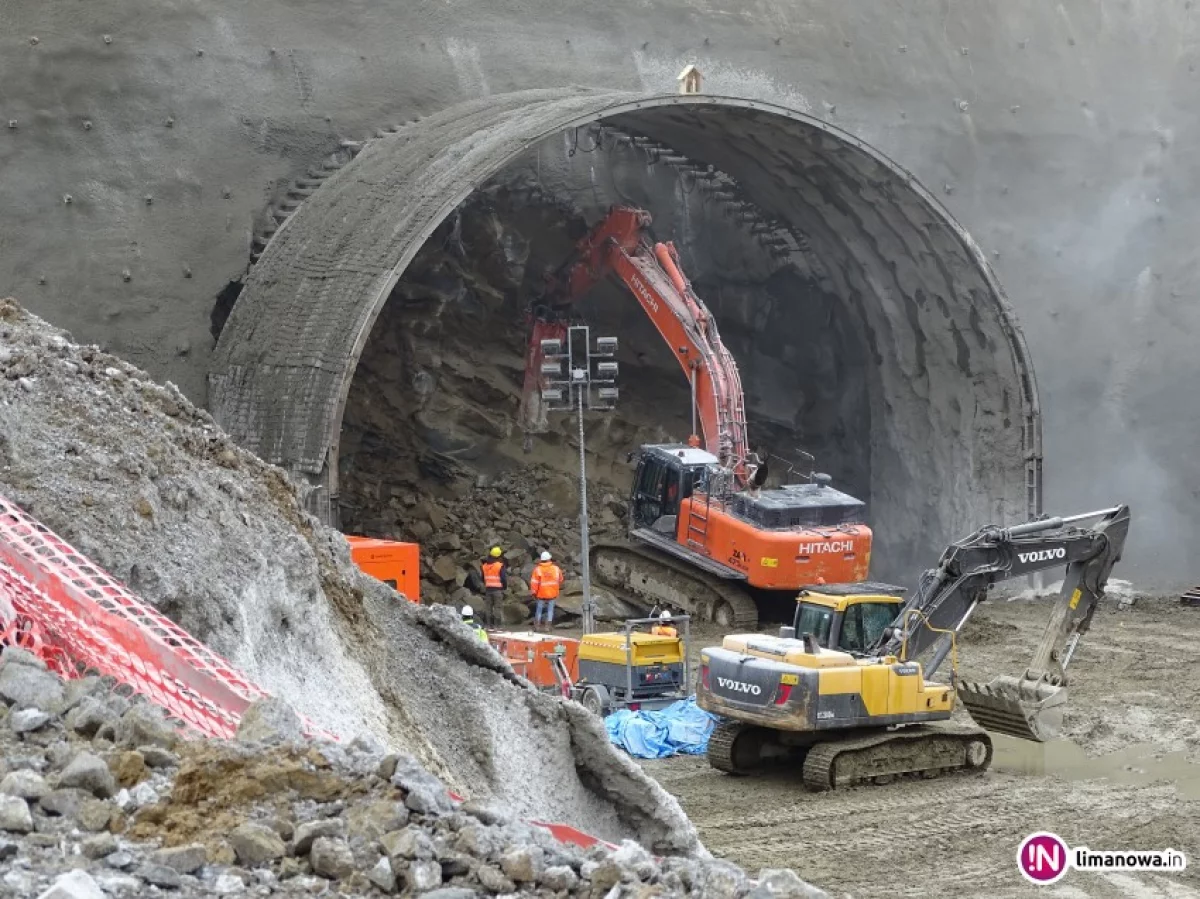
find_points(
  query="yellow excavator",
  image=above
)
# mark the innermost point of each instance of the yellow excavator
(844, 693)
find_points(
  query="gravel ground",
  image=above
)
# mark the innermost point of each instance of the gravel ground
(1127, 778)
(101, 797)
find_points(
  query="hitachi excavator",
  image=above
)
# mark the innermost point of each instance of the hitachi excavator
(703, 533)
(842, 692)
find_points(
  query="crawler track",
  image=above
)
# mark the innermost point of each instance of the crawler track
(878, 758)
(655, 577)
(927, 751)
(724, 751)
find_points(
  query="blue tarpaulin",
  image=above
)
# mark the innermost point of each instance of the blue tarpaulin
(682, 727)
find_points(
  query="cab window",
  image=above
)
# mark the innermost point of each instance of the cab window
(875, 617)
(815, 620)
(672, 497)
(647, 506)
(863, 625)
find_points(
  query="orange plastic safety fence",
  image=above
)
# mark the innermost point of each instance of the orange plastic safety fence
(95, 622)
(74, 616)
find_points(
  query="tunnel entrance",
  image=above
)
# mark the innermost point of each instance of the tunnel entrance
(869, 330)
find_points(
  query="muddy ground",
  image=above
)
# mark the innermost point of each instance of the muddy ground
(1129, 778)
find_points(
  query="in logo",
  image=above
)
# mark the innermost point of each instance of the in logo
(1042, 858)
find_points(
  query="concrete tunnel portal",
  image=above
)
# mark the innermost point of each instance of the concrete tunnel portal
(949, 437)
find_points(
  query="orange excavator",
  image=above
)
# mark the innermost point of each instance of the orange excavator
(704, 535)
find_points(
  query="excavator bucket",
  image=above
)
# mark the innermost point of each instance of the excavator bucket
(1020, 707)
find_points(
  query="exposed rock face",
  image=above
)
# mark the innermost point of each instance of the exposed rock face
(432, 450)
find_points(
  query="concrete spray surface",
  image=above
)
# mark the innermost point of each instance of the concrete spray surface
(145, 484)
(950, 395)
(1051, 131)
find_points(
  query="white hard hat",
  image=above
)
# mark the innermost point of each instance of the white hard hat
(546, 556)
(468, 612)
(665, 616)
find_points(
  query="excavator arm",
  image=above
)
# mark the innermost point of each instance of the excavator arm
(1031, 706)
(620, 246)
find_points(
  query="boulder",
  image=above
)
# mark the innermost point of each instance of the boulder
(446, 569)
(98, 846)
(270, 720)
(26, 784)
(89, 772)
(406, 845)
(331, 857)
(184, 859)
(28, 720)
(26, 686)
(522, 864)
(422, 876)
(383, 876)
(144, 725)
(256, 844)
(74, 885)
(161, 876)
(309, 831)
(372, 820)
(14, 815)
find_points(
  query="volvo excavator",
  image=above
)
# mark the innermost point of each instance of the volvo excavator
(843, 693)
(703, 533)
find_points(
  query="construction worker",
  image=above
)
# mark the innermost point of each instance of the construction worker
(495, 582)
(664, 628)
(545, 583)
(468, 617)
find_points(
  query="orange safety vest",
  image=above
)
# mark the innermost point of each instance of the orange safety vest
(663, 630)
(547, 578)
(491, 575)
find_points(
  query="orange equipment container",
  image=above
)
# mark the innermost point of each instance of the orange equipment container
(532, 655)
(396, 564)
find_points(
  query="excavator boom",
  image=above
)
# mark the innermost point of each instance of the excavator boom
(620, 245)
(703, 531)
(1031, 706)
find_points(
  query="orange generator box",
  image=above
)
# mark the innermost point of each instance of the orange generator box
(532, 655)
(396, 564)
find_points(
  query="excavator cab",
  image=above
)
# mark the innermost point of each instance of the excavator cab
(847, 617)
(666, 475)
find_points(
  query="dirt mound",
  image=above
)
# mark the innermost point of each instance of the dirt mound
(100, 796)
(146, 485)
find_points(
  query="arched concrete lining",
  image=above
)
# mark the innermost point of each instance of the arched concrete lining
(956, 424)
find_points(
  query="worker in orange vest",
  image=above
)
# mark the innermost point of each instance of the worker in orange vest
(547, 580)
(495, 581)
(664, 628)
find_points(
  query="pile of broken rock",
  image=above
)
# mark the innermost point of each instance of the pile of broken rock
(521, 511)
(101, 796)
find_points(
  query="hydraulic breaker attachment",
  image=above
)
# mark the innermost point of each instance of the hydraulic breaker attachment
(1022, 707)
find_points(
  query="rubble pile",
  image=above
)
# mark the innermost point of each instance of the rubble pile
(523, 511)
(148, 487)
(432, 449)
(99, 796)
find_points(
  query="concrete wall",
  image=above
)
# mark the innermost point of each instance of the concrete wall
(1056, 130)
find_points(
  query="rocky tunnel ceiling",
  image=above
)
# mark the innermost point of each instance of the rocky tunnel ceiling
(955, 433)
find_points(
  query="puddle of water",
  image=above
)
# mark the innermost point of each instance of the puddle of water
(1134, 765)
